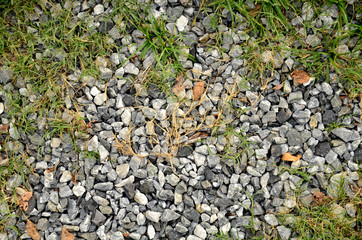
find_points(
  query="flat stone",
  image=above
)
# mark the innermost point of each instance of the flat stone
(269, 117)
(276, 189)
(103, 153)
(351, 210)
(276, 150)
(151, 233)
(169, 215)
(345, 134)
(128, 100)
(104, 186)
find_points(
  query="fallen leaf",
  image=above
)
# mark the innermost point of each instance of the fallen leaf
(66, 235)
(4, 128)
(300, 76)
(198, 90)
(32, 230)
(24, 201)
(279, 86)
(290, 157)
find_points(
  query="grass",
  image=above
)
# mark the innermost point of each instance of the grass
(322, 220)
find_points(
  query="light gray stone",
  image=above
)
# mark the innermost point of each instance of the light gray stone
(345, 134)
(122, 170)
(271, 219)
(284, 232)
(140, 198)
(100, 99)
(105, 73)
(200, 232)
(153, 216)
(93, 144)
(78, 190)
(131, 69)
(98, 9)
(181, 23)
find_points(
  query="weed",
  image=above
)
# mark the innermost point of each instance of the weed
(326, 217)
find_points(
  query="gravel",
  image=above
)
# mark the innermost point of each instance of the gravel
(129, 187)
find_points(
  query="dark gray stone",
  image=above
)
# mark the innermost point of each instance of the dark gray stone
(294, 138)
(322, 148)
(98, 218)
(147, 187)
(358, 155)
(129, 190)
(128, 100)
(184, 151)
(191, 214)
(223, 203)
(283, 115)
(169, 215)
(329, 117)
(105, 26)
(276, 150)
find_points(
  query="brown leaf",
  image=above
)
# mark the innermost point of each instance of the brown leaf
(32, 230)
(4, 128)
(290, 157)
(279, 86)
(300, 76)
(24, 201)
(198, 90)
(66, 235)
